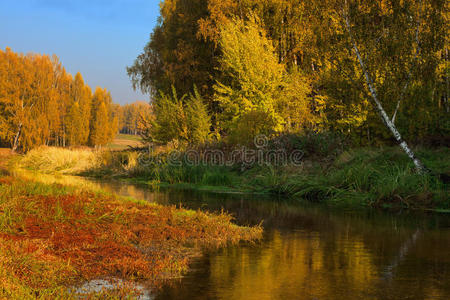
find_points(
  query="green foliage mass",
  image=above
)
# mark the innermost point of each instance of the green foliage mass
(288, 65)
(182, 119)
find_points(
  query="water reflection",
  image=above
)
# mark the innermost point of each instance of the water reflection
(310, 252)
(327, 256)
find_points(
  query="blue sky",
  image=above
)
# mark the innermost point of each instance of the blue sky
(98, 38)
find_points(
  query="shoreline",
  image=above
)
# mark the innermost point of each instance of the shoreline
(365, 177)
(77, 235)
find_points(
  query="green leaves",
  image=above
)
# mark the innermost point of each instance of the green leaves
(259, 96)
(183, 119)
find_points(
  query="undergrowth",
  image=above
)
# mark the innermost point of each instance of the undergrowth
(373, 178)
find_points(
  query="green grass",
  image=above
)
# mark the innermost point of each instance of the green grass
(367, 177)
(373, 177)
(382, 178)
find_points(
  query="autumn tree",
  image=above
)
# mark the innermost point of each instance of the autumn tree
(197, 118)
(41, 104)
(25, 87)
(103, 124)
(81, 95)
(259, 96)
(176, 55)
(404, 64)
(403, 44)
(74, 125)
(100, 133)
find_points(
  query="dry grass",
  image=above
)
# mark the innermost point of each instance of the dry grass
(53, 160)
(61, 160)
(52, 237)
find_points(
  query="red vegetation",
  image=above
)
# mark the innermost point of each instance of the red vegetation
(87, 236)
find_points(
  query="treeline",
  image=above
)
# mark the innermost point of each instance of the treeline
(42, 104)
(131, 117)
(276, 66)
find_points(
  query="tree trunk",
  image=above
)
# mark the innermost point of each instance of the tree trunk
(384, 117)
(16, 138)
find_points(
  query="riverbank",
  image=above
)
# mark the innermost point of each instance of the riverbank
(366, 177)
(53, 237)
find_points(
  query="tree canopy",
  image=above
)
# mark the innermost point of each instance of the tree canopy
(42, 104)
(292, 65)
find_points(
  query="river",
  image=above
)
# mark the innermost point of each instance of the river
(310, 252)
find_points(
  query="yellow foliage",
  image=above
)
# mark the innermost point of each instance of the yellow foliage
(41, 104)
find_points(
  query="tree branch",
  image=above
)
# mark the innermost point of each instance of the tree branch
(408, 79)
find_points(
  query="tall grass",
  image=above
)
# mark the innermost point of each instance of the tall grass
(61, 160)
(369, 177)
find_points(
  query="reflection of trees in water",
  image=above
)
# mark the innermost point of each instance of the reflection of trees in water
(403, 251)
(303, 265)
(311, 252)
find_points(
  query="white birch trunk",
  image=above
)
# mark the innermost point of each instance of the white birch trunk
(385, 118)
(16, 138)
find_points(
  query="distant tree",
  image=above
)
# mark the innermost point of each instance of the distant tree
(145, 124)
(41, 104)
(100, 132)
(129, 117)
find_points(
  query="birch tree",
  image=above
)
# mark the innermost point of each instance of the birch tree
(41, 104)
(374, 95)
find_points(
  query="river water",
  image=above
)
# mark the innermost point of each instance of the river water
(310, 252)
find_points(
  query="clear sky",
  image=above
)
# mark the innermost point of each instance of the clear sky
(98, 38)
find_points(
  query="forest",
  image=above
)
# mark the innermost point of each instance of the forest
(232, 70)
(289, 66)
(358, 91)
(42, 104)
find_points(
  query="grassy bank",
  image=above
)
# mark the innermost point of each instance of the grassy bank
(361, 177)
(53, 237)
